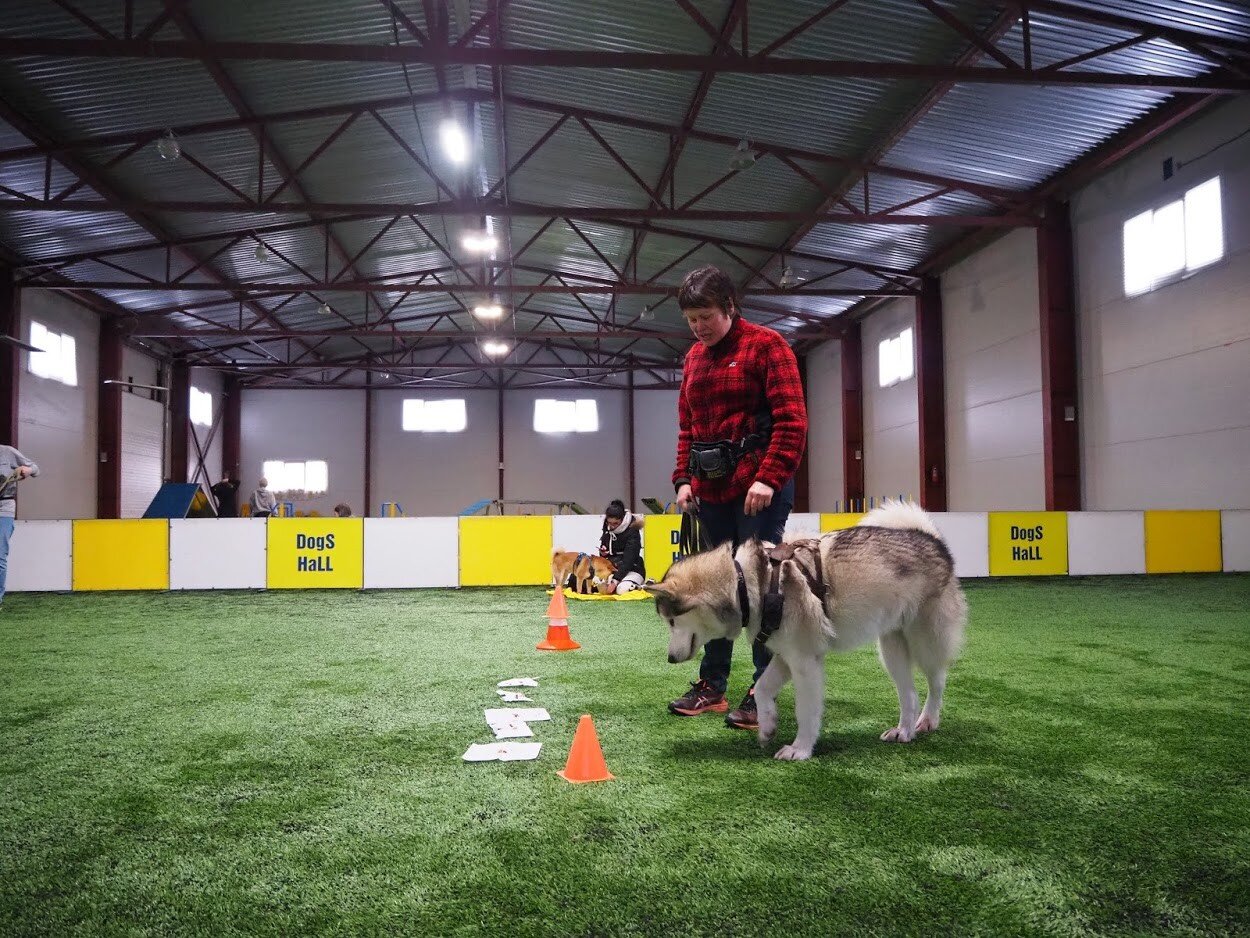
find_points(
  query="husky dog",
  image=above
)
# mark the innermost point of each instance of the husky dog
(890, 578)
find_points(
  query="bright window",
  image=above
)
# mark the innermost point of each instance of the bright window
(1166, 243)
(58, 360)
(201, 407)
(297, 478)
(552, 416)
(446, 416)
(896, 360)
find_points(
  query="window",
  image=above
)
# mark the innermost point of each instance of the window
(434, 416)
(58, 360)
(201, 407)
(1165, 244)
(551, 416)
(895, 359)
(297, 478)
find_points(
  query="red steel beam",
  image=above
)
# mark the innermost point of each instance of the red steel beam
(231, 428)
(931, 390)
(10, 325)
(108, 493)
(852, 415)
(179, 420)
(439, 55)
(1061, 437)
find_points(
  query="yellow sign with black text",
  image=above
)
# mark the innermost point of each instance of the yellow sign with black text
(316, 553)
(661, 538)
(1028, 543)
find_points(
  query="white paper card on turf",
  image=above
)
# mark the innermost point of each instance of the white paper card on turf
(518, 682)
(502, 752)
(523, 714)
(509, 697)
(513, 729)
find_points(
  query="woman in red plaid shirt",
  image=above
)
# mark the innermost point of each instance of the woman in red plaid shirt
(741, 402)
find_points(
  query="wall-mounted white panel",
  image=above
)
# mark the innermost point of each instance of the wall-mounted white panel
(802, 524)
(209, 441)
(143, 450)
(216, 553)
(57, 423)
(1106, 542)
(655, 446)
(405, 553)
(576, 532)
(1235, 528)
(891, 415)
(824, 421)
(40, 557)
(967, 535)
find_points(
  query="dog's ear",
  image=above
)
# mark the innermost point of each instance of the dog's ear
(659, 591)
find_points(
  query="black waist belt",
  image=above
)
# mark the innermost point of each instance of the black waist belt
(719, 459)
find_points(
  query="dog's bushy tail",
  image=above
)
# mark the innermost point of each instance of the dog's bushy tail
(902, 515)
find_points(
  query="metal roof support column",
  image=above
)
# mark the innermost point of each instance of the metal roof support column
(1061, 439)
(108, 491)
(368, 443)
(231, 422)
(852, 415)
(931, 393)
(179, 420)
(10, 325)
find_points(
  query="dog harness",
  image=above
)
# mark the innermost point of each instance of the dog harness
(772, 601)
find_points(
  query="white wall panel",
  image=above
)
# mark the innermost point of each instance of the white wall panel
(216, 553)
(143, 450)
(434, 474)
(1235, 534)
(655, 446)
(40, 557)
(967, 535)
(403, 553)
(1165, 376)
(891, 415)
(577, 532)
(1106, 542)
(588, 468)
(304, 425)
(993, 376)
(211, 382)
(57, 423)
(824, 418)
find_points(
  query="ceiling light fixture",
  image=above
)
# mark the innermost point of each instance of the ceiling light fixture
(455, 143)
(788, 279)
(488, 311)
(743, 157)
(262, 253)
(494, 349)
(168, 147)
(480, 243)
(324, 309)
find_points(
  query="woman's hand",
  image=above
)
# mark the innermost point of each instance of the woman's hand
(685, 497)
(759, 497)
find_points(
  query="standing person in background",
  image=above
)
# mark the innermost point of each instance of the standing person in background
(741, 431)
(343, 510)
(621, 542)
(263, 501)
(13, 467)
(226, 492)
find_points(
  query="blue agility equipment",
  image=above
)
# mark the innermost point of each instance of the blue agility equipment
(180, 500)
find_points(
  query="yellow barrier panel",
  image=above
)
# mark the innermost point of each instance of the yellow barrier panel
(660, 537)
(1183, 542)
(121, 555)
(1028, 543)
(505, 551)
(840, 521)
(315, 553)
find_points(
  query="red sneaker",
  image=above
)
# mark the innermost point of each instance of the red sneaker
(701, 698)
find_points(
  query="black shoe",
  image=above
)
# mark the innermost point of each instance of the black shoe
(745, 717)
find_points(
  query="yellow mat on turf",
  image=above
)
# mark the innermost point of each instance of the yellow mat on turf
(624, 598)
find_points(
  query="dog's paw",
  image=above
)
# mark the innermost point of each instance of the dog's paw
(897, 734)
(926, 724)
(793, 754)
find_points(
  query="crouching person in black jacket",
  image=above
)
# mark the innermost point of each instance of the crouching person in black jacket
(621, 543)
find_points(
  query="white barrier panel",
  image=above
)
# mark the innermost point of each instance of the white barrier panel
(217, 554)
(803, 524)
(967, 534)
(41, 557)
(404, 553)
(578, 533)
(1236, 540)
(1106, 542)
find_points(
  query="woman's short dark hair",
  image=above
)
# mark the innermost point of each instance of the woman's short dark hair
(616, 509)
(708, 286)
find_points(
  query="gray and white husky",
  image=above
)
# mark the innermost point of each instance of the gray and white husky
(890, 578)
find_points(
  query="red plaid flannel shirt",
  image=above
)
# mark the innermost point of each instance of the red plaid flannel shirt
(723, 388)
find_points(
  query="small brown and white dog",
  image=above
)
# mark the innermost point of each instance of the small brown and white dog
(587, 568)
(891, 579)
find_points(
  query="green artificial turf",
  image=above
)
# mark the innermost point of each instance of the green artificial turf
(289, 764)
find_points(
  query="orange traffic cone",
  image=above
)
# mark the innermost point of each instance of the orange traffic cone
(586, 758)
(558, 638)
